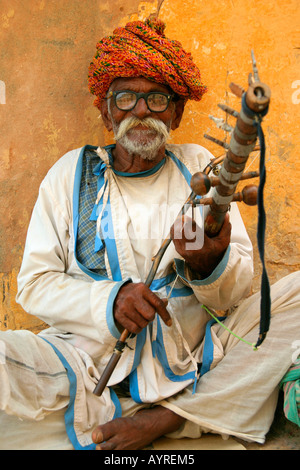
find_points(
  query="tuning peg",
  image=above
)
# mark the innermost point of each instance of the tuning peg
(201, 182)
(255, 69)
(217, 141)
(237, 90)
(250, 79)
(248, 195)
(229, 110)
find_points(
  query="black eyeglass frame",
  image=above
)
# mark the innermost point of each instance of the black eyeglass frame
(138, 96)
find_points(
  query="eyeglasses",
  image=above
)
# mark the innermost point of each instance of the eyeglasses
(157, 102)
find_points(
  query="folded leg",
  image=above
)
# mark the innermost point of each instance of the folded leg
(239, 396)
(34, 387)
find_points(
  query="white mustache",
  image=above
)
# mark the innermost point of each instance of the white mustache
(131, 122)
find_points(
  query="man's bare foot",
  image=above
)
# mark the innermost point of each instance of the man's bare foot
(138, 431)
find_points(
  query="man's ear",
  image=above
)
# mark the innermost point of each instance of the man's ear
(178, 113)
(105, 115)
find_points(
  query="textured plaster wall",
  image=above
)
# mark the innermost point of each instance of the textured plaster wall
(46, 109)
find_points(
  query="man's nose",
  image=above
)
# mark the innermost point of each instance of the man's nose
(141, 109)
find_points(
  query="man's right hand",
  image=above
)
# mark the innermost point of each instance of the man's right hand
(136, 305)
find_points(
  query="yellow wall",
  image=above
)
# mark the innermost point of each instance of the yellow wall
(46, 109)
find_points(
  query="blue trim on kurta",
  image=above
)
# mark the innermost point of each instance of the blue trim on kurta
(98, 171)
(140, 174)
(159, 350)
(109, 308)
(134, 387)
(208, 349)
(208, 280)
(69, 414)
(162, 356)
(133, 379)
(181, 292)
(110, 242)
(181, 166)
(157, 284)
(116, 402)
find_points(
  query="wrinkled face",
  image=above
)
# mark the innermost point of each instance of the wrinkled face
(141, 124)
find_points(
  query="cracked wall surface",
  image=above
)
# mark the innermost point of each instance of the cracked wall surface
(46, 109)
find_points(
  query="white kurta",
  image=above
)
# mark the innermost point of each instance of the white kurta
(78, 306)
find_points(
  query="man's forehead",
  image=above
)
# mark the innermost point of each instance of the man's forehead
(137, 84)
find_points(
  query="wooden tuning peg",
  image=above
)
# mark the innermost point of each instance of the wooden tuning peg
(200, 183)
(248, 195)
(237, 90)
(216, 141)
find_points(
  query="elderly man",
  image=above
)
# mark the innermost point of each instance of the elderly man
(90, 243)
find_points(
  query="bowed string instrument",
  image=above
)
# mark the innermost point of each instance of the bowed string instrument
(231, 170)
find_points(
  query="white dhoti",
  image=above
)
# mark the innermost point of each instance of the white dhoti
(237, 397)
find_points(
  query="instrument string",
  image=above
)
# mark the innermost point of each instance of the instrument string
(173, 285)
(229, 331)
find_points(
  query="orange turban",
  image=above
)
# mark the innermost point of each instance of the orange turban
(142, 50)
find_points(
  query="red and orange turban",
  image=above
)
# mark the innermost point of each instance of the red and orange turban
(142, 50)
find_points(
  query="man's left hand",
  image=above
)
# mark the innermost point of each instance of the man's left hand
(201, 258)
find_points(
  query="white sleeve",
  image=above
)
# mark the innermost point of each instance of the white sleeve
(49, 285)
(232, 278)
